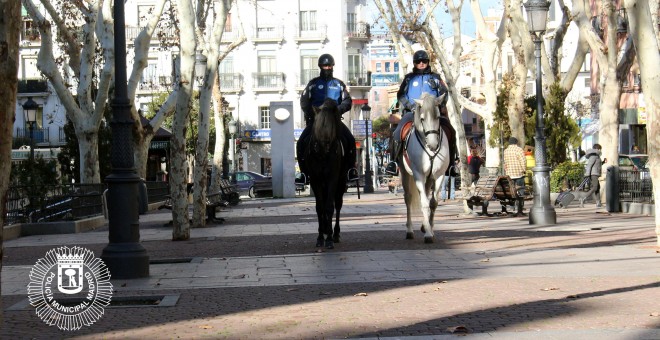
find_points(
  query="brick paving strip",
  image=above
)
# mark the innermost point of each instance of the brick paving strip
(598, 276)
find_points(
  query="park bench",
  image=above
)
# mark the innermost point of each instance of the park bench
(229, 192)
(498, 188)
(223, 198)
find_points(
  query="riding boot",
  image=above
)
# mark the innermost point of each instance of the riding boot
(391, 166)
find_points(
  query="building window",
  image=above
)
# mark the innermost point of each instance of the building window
(396, 66)
(308, 20)
(351, 22)
(378, 67)
(355, 76)
(387, 66)
(587, 82)
(308, 66)
(637, 79)
(264, 113)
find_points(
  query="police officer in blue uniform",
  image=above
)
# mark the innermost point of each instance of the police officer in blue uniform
(421, 79)
(317, 90)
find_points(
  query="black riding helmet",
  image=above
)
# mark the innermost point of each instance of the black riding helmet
(326, 59)
(420, 55)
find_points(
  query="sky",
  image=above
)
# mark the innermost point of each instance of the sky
(467, 20)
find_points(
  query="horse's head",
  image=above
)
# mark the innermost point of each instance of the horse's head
(427, 119)
(326, 120)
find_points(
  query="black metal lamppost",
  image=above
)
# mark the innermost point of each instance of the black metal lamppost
(224, 106)
(232, 134)
(30, 108)
(542, 211)
(368, 183)
(124, 256)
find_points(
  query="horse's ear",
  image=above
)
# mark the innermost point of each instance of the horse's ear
(441, 99)
(316, 110)
(418, 101)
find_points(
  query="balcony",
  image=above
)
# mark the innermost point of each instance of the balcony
(230, 82)
(161, 34)
(22, 137)
(30, 34)
(268, 34)
(358, 31)
(268, 82)
(155, 84)
(358, 79)
(32, 86)
(311, 33)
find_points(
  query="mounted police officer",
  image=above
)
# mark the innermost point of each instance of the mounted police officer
(421, 79)
(317, 90)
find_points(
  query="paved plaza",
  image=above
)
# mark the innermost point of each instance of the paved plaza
(594, 275)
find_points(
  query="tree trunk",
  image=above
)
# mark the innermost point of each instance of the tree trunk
(178, 178)
(84, 110)
(641, 27)
(9, 35)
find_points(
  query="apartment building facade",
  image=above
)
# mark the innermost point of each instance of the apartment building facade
(284, 40)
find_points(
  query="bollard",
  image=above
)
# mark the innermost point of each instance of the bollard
(612, 203)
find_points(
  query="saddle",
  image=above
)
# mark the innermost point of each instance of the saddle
(407, 127)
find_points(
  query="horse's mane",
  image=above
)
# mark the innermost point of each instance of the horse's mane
(325, 124)
(429, 104)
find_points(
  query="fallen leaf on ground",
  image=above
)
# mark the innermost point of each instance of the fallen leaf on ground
(458, 330)
(573, 296)
(324, 293)
(205, 327)
(291, 289)
(551, 288)
(485, 260)
(443, 281)
(242, 276)
(655, 314)
(360, 294)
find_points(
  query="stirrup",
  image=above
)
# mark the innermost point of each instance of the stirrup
(391, 169)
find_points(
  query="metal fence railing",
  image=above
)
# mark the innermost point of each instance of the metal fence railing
(34, 204)
(635, 186)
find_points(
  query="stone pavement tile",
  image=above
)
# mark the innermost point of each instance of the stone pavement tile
(494, 306)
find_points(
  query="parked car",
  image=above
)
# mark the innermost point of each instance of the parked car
(633, 162)
(251, 183)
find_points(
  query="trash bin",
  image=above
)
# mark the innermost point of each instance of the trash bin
(612, 203)
(143, 204)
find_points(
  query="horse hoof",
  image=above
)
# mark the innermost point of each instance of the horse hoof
(410, 236)
(329, 244)
(428, 239)
(423, 229)
(319, 243)
(336, 239)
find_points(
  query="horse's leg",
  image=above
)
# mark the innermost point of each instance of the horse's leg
(339, 202)
(425, 204)
(410, 196)
(319, 212)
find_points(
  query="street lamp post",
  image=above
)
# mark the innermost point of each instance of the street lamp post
(368, 183)
(542, 211)
(224, 105)
(232, 134)
(124, 256)
(30, 109)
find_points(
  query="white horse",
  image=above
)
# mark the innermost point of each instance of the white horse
(423, 163)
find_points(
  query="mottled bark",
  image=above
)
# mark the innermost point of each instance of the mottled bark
(642, 28)
(84, 110)
(178, 165)
(9, 35)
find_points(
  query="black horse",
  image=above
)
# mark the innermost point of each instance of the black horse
(324, 162)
